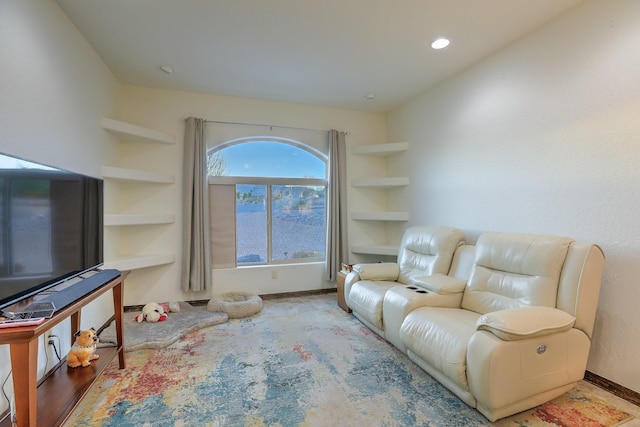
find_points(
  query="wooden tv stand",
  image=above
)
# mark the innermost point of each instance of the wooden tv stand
(50, 402)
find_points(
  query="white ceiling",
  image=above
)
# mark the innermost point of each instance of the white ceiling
(323, 52)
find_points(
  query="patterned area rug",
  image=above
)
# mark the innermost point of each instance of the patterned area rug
(574, 408)
(301, 361)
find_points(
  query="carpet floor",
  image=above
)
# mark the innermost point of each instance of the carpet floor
(301, 361)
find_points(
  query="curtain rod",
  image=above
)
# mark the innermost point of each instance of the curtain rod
(269, 126)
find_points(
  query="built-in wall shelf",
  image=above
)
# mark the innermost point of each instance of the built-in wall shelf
(379, 188)
(129, 132)
(388, 250)
(140, 261)
(391, 182)
(138, 219)
(380, 149)
(380, 216)
(164, 144)
(135, 175)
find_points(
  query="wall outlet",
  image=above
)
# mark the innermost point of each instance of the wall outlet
(274, 274)
(48, 338)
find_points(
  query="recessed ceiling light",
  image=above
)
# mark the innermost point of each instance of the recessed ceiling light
(167, 69)
(370, 95)
(440, 43)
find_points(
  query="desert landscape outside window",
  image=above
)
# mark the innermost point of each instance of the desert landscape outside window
(279, 200)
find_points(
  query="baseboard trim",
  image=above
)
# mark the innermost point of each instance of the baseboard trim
(201, 302)
(299, 293)
(613, 388)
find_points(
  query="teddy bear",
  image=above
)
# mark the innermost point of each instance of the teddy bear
(83, 350)
(152, 312)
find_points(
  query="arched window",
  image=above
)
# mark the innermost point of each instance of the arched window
(267, 202)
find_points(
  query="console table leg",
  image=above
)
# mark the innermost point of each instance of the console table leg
(24, 362)
(75, 325)
(118, 309)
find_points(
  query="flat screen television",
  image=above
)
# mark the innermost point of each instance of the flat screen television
(51, 227)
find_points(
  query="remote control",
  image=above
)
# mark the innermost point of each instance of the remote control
(12, 323)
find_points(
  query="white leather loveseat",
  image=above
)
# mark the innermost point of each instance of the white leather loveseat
(424, 251)
(507, 328)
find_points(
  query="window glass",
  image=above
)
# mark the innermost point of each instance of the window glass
(267, 159)
(280, 214)
(298, 218)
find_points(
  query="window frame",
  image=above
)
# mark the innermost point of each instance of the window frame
(324, 157)
(269, 182)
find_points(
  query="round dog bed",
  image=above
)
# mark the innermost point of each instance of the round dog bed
(236, 304)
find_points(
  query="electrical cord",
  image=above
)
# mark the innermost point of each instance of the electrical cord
(46, 356)
(55, 349)
(4, 393)
(105, 344)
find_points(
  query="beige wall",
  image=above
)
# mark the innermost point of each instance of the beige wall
(544, 137)
(164, 110)
(54, 91)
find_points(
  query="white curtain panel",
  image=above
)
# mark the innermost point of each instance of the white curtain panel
(196, 264)
(337, 249)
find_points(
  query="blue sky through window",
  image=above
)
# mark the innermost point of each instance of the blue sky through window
(272, 159)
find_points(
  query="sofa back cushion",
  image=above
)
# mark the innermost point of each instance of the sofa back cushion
(515, 270)
(427, 250)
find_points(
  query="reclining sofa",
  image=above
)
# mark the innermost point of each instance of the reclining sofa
(505, 324)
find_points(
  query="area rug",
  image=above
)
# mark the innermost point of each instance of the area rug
(574, 408)
(140, 335)
(301, 361)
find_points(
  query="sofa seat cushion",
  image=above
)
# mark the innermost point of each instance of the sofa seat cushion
(439, 337)
(365, 298)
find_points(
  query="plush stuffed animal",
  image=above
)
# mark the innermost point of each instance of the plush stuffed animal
(152, 313)
(83, 350)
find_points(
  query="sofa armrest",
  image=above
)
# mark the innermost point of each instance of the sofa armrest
(352, 277)
(525, 322)
(441, 283)
(349, 281)
(378, 271)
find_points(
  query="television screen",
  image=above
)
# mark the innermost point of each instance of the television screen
(50, 227)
